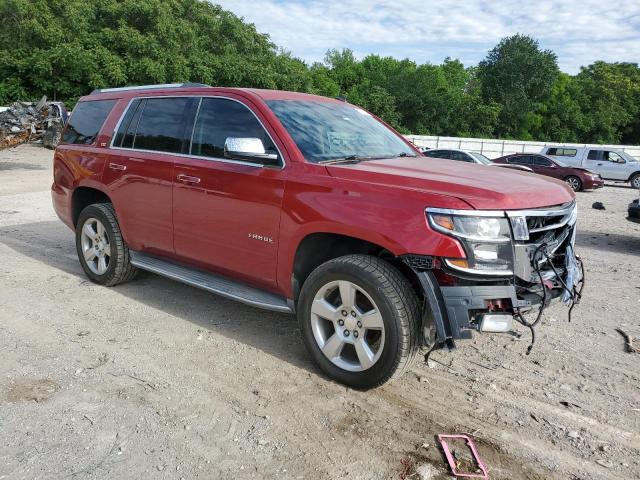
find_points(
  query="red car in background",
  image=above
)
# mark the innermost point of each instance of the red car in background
(577, 178)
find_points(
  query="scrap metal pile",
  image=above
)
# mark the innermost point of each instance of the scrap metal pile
(24, 122)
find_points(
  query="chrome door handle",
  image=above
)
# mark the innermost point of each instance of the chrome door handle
(188, 179)
(118, 167)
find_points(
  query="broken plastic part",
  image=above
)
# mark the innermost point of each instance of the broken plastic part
(452, 462)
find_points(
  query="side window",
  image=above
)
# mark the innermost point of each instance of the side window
(521, 160)
(593, 154)
(541, 161)
(128, 125)
(163, 125)
(567, 152)
(613, 157)
(86, 121)
(461, 156)
(219, 119)
(440, 154)
(552, 151)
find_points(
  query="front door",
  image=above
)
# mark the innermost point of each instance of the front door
(226, 213)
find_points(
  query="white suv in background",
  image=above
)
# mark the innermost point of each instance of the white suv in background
(610, 163)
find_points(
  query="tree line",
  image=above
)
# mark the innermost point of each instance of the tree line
(66, 48)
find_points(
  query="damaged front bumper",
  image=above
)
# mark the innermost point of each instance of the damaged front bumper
(545, 268)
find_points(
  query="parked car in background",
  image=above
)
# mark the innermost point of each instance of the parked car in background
(634, 211)
(471, 157)
(610, 164)
(578, 178)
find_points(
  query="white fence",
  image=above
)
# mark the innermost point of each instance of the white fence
(498, 148)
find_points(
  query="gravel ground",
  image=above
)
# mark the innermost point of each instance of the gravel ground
(154, 379)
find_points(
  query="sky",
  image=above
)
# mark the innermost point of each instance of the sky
(578, 31)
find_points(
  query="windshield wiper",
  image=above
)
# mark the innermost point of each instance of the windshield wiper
(404, 154)
(348, 159)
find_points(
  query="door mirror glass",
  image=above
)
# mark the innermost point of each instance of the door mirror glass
(248, 149)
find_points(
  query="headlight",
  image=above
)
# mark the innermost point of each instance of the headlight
(486, 241)
(472, 228)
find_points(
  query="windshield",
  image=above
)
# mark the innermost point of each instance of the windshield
(559, 163)
(481, 158)
(628, 157)
(325, 131)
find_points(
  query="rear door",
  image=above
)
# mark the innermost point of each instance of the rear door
(227, 212)
(139, 170)
(544, 166)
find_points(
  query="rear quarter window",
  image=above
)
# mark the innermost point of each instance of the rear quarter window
(86, 121)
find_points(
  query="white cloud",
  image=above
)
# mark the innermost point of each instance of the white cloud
(580, 32)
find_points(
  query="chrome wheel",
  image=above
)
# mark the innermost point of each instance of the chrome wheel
(574, 183)
(347, 326)
(96, 248)
(635, 181)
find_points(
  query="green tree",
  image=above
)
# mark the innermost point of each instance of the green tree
(66, 48)
(519, 76)
(610, 98)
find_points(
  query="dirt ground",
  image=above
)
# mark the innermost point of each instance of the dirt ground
(154, 379)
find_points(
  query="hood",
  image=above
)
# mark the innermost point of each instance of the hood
(481, 186)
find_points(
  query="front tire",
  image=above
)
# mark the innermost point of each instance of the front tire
(635, 180)
(102, 252)
(574, 182)
(359, 318)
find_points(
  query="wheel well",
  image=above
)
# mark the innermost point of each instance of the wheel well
(83, 197)
(318, 248)
(633, 175)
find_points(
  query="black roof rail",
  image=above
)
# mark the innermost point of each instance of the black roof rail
(342, 99)
(147, 87)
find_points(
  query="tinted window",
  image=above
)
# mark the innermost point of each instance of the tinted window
(593, 154)
(86, 121)
(438, 154)
(461, 156)
(541, 161)
(552, 151)
(521, 160)
(162, 125)
(219, 119)
(128, 125)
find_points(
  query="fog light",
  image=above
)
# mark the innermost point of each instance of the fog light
(496, 322)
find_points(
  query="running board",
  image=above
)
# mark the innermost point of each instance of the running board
(211, 282)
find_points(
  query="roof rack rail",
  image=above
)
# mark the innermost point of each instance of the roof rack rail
(148, 87)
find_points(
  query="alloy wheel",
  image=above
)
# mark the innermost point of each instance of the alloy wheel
(574, 183)
(96, 248)
(347, 325)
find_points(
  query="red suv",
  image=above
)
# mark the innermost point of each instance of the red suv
(577, 178)
(299, 203)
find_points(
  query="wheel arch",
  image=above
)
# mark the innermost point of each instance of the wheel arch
(82, 197)
(633, 175)
(320, 247)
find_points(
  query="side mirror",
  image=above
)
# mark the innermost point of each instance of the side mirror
(248, 149)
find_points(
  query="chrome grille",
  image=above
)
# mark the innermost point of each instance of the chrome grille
(553, 227)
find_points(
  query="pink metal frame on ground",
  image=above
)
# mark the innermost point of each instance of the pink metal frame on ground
(452, 461)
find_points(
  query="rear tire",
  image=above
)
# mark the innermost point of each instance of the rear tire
(372, 335)
(574, 182)
(102, 252)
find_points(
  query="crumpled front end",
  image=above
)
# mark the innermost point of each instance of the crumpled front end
(517, 263)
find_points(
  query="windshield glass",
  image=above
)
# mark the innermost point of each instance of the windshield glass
(330, 131)
(559, 163)
(481, 158)
(628, 157)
